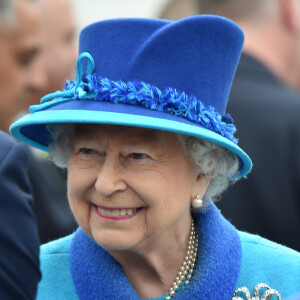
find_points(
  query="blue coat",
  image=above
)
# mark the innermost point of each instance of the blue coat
(76, 267)
(19, 242)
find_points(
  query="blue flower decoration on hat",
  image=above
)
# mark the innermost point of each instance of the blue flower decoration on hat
(89, 86)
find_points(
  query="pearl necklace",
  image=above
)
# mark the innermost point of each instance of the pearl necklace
(187, 268)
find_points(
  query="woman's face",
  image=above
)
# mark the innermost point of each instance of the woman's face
(130, 187)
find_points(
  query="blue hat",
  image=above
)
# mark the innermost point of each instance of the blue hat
(166, 75)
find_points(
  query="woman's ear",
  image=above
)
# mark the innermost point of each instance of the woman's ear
(201, 185)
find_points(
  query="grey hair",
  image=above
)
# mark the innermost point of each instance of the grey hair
(213, 161)
(210, 159)
(237, 9)
(60, 143)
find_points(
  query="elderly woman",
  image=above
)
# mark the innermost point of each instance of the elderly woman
(147, 145)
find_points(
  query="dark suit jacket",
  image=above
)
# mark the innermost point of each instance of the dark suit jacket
(19, 242)
(267, 117)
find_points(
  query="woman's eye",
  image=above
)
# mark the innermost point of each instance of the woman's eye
(138, 156)
(87, 151)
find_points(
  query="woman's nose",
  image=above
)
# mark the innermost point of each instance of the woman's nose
(110, 178)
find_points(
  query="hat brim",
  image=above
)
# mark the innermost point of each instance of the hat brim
(31, 129)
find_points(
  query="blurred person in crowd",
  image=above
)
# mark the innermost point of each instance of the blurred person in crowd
(266, 111)
(57, 29)
(59, 54)
(20, 74)
(20, 66)
(24, 76)
(19, 250)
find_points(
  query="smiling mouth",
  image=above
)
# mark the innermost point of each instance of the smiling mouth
(120, 213)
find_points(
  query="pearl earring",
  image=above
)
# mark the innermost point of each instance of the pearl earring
(197, 202)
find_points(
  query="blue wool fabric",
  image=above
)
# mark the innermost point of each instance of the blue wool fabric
(191, 55)
(77, 268)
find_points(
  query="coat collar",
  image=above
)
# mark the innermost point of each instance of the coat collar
(95, 273)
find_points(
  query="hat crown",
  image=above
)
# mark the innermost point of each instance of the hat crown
(197, 55)
(158, 74)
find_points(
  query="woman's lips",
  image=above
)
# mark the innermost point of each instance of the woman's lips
(117, 213)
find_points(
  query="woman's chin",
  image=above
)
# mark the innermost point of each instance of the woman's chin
(114, 242)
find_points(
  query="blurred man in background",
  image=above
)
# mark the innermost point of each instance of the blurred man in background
(21, 71)
(57, 29)
(37, 56)
(20, 74)
(272, 32)
(263, 91)
(59, 54)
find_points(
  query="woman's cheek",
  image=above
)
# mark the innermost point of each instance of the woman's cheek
(159, 175)
(81, 176)
(80, 208)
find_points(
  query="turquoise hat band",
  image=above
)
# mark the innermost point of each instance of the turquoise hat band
(34, 125)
